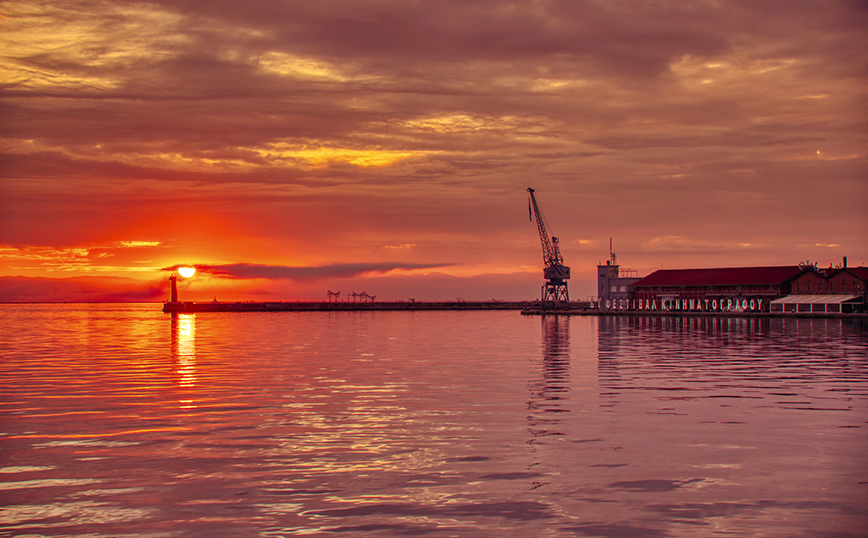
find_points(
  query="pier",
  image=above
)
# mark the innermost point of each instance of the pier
(321, 306)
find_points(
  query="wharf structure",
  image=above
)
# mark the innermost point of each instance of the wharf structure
(782, 289)
(189, 307)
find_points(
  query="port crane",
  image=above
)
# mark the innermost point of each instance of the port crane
(555, 272)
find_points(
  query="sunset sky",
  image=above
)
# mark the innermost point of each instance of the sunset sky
(291, 147)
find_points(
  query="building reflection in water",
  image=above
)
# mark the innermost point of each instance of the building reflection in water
(549, 392)
(660, 352)
(184, 350)
(690, 355)
(612, 332)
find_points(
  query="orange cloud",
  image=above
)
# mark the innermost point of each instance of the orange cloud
(301, 135)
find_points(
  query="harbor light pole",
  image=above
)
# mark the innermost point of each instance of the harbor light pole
(185, 272)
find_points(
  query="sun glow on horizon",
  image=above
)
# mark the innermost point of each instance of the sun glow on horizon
(186, 272)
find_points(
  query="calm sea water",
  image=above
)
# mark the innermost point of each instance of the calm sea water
(118, 420)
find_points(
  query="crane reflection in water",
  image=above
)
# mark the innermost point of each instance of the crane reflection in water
(548, 394)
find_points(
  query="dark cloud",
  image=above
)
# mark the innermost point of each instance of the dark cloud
(19, 289)
(324, 272)
(240, 130)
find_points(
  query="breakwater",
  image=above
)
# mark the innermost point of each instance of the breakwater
(527, 308)
(320, 306)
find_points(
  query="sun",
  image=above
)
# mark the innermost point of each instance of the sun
(186, 272)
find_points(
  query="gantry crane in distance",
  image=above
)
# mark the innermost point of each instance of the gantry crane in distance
(555, 272)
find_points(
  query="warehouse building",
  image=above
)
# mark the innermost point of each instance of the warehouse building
(841, 290)
(791, 288)
(715, 290)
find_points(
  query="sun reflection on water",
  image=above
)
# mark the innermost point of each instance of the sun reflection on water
(184, 347)
(271, 424)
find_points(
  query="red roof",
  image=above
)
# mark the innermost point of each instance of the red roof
(730, 276)
(860, 272)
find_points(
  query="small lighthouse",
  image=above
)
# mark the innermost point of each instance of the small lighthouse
(173, 289)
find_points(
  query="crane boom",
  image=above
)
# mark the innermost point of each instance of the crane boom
(554, 270)
(551, 252)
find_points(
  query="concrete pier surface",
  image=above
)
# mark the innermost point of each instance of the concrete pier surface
(321, 306)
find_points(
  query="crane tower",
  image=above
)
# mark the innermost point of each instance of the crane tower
(554, 271)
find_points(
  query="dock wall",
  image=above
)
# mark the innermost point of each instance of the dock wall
(689, 314)
(319, 306)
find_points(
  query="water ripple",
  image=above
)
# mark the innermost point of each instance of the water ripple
(119, 420)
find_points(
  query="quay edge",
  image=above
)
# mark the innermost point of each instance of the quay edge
(689, 314)
(319, 306)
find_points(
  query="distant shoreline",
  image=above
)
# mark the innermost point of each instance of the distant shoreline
(81, 302)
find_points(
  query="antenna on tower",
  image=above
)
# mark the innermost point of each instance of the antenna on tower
(612, 258)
